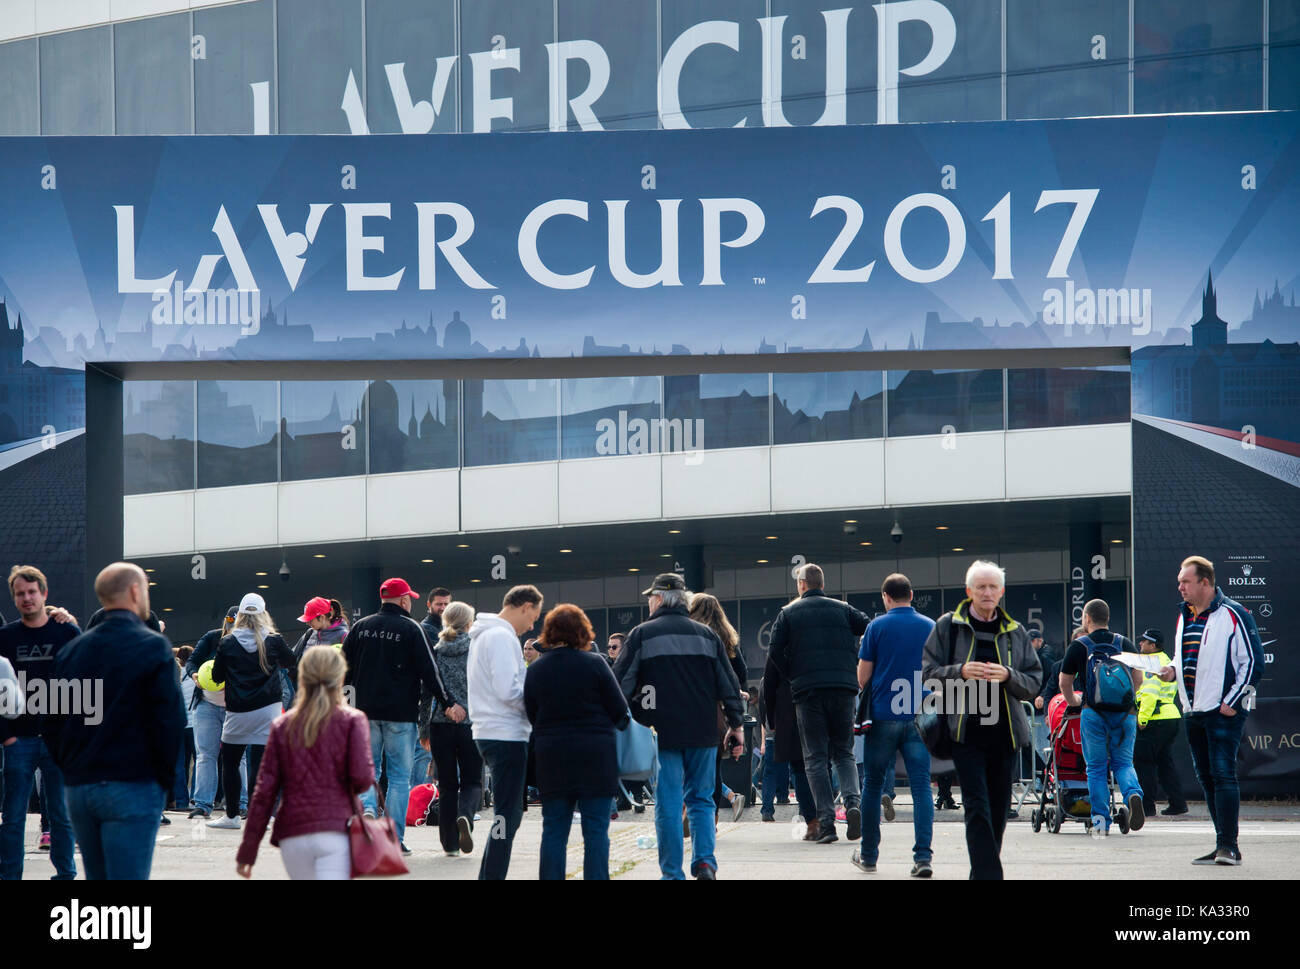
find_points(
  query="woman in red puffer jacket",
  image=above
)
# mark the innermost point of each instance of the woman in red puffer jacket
(317, 757)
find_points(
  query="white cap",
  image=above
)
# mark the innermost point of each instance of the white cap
(252, 604)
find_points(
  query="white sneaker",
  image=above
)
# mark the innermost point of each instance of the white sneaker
(1099, 830)
(227, 822)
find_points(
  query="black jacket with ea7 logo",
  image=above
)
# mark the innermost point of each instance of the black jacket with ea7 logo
(389, 654)
(32, 653)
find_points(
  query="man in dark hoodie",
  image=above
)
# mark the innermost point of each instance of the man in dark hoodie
(118, 764)
(389, 655)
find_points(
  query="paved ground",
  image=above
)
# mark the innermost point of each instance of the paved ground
(749, 849)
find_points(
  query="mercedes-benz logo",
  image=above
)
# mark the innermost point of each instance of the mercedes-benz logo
(1266, 609)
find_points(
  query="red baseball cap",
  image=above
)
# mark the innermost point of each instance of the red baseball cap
(395, 589)
(315, 608)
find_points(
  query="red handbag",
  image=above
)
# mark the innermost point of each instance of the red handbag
(373, 842)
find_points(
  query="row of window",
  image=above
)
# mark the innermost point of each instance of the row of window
(179, 435)
(414, 66)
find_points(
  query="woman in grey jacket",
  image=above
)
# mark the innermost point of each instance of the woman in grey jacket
(456, 757)
(986, 664)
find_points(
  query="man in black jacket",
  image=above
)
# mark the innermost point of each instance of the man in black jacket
(674, 673)
(32, 644)
(118, 762)
(815, 646)
(389, 655)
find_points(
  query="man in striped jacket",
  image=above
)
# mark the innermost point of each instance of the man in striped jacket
(1217, 662)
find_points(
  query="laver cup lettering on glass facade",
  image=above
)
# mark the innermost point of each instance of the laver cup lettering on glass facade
(893, 237)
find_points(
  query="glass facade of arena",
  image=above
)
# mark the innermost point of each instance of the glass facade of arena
(186, 434)
(418, 66)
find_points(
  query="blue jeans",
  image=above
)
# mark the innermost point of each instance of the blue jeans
(181, 785)
(1108, 738)
(685, 777)
(777, 776)
(507, 761)
(392, 742)
(420, 761)
(1214, 740)
(885, 740)
(22, 758)
(557, 820)
(208, 721)
(117, 827)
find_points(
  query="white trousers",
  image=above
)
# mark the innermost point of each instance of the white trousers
(322, 856)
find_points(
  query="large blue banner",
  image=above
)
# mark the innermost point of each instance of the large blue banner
(1062, 233)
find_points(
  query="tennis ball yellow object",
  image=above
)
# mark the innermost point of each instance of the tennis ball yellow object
(205, 677)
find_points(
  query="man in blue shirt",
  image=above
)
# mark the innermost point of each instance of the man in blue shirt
(890, 660)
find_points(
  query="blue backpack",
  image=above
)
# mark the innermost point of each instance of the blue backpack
(1108, 685)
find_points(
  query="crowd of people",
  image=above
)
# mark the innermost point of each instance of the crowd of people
(247, 732)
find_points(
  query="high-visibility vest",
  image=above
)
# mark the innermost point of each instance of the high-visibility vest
(1156, 698)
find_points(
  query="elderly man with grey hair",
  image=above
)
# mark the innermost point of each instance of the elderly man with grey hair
(815, 646)
(986, 665)
(674, 673)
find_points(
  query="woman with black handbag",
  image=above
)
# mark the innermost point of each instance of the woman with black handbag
(985, 665)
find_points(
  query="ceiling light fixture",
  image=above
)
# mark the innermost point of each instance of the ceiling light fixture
(770, 538)
(864, 544)
(565, 551)
(959, 550)
(1117, 541)
(476, 580)
(674, 531)
(531, 565)
(940, 528)
(762, 561)
(634, 570)
(318, 556)
(462, 546)
(427, 561)
(264, 587)
(259, 573)
(850, 521)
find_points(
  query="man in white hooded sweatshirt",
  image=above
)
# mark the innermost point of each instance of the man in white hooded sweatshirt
(495, 678)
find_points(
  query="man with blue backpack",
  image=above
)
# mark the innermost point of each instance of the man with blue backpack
(1108, 724)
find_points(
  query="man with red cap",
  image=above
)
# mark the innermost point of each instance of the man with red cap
(388, 656)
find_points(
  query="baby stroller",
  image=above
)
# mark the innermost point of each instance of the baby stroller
(1065, 776)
